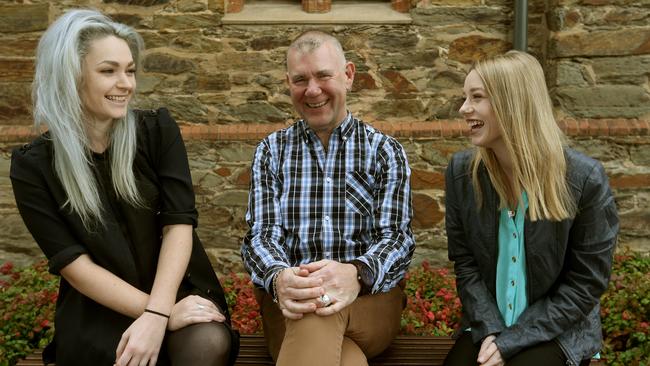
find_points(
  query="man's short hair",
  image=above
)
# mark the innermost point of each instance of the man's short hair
(311, 40)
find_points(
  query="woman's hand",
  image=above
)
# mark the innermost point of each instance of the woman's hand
(193, 309)
(140, 343)
(489, 354)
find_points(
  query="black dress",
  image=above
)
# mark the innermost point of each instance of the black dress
(128, 244)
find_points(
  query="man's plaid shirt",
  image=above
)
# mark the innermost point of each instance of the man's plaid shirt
(352, 201)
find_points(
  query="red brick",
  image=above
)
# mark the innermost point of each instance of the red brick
(316, 6)
(644, 127)
(402, 6)
(571, 127)
(598, 127)
(618, 127)
(234, 6)
(583, 127)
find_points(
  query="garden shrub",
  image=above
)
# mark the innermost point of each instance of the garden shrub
(625, 312)
(27, 301)
(28, 296)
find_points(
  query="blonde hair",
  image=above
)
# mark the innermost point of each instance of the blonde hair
(515, 85)
(57, 104)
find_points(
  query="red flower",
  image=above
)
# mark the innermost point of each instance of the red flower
(6, 268)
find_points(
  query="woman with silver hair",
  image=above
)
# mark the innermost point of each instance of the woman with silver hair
(107, 195)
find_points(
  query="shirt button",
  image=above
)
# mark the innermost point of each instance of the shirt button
(512, 282)
(510, 306)
(514, 259)
(514, 235)
(328, 180)
(327, 218)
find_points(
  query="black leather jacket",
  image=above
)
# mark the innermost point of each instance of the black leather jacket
(568, 263)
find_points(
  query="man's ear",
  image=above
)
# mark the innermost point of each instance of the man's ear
(349, 73)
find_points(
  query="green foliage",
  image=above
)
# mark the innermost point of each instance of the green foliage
(625, 312)
(27, 302)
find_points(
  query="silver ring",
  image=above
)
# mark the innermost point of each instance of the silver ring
(325, 299)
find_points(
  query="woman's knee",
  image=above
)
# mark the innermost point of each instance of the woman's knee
(201, 344)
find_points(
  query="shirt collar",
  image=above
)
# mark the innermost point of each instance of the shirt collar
(345, 128)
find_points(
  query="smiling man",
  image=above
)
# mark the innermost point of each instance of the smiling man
(329, 213)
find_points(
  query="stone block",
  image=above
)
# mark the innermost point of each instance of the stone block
(396, 83)
(269, 42)
(237, 198)
(16, 69)
(604, 101)
(167, 64)
(225, 261)
(423, 179)
(470, 48)
(20, 18)
(255, 111)
(570, 74)
(640, 154)
(191, 6)
(394, 40)
(18, 45)
(244, 62)
(134, 20)
(187, 21)
(217, 5)
(619, 42)
(236, 152)
(392, 108)
(447, 15)
(138, 2)
(213, 82)
(184, 108)
(407, 60)
(621, 70)
(15, 103)
(426, 211)
(363, 81)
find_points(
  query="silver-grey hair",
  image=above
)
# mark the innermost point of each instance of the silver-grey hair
(311, 40)
(57, 104)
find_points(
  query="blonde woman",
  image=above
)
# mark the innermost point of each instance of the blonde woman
(531, 224)
(107, 195)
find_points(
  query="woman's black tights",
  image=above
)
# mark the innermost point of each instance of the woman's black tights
(201, 344)
(465, 353)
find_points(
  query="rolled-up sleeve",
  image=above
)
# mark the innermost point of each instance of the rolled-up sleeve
(41, 213)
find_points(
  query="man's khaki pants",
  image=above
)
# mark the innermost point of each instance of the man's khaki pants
(360, 331)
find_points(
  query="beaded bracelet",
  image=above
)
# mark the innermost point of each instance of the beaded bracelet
(157, 313)
(275, 286)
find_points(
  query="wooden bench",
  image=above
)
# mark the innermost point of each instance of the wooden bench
(404, 351)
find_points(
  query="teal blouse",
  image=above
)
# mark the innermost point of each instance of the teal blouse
(511, 264)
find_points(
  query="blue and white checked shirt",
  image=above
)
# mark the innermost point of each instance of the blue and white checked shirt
(352, 201)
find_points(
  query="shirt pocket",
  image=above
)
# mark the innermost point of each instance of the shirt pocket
(359, 192)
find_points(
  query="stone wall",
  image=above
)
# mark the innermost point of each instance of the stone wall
(225, 85)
